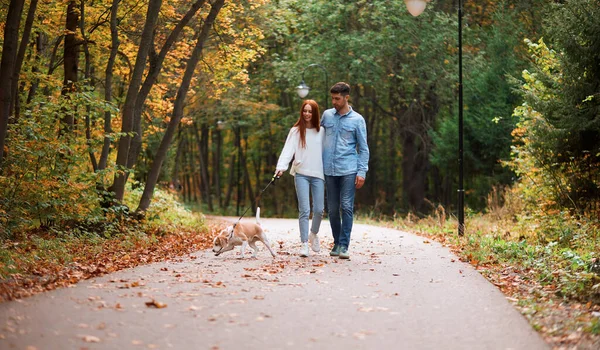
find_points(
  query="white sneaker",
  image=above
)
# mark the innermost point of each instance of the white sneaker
(314, 242)
(304, 249)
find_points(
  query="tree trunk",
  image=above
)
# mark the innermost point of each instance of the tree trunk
(392, 185)
(114, 48)
(413, 182)
(188, 187)
(205, 164)
(238, 145)
(120, 178)
(40, 47)
(88, 78)
(217, 143)
(178, 107)
(193, 193)
(204, 152)
(175, 181)
(372, 132)
(156, 62)
(416, 146)
(20, 56)
(7, 66)
(204, 181)
(230, 183)
(249, 187)
(70, 63)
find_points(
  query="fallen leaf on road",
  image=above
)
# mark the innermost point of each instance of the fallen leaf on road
(155, 304)
(137, 342)
(91, 339)
(362, 334)
(236, 301)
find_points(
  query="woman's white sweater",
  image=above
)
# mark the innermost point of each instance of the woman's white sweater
(307, 161)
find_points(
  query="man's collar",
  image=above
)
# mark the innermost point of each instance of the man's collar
(349, 111)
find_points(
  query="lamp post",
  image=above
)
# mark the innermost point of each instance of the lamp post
(416, 7)
(303, 89)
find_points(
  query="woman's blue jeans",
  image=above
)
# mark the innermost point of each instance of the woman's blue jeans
(340, 197)
(306, 185)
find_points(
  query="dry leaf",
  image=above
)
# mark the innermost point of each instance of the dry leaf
(155, 304)
(91, 339)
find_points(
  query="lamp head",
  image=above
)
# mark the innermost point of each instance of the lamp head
(415, 7)
(302, 89)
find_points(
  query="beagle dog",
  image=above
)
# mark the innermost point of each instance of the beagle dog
(241, 233)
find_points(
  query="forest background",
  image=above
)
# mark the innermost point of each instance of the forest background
(117, 115)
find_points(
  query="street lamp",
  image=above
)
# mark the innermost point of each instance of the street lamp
(416, 7)
(303, 89)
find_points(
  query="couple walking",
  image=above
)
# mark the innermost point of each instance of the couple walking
(330, 151)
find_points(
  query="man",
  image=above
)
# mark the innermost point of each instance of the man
(345, 164)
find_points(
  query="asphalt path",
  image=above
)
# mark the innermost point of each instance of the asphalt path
(397, 291)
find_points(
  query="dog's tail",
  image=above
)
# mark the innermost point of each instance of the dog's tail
(258, 215)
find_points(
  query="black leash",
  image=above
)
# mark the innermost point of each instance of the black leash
(273, 179)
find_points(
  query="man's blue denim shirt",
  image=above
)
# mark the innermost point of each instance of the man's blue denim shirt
(345, 149)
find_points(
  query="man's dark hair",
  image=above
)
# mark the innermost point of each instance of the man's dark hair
(340, 88)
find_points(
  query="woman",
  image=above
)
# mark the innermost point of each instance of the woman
(304, 143)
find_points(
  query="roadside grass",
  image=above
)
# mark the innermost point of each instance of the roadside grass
(42, 260)
(548, 267)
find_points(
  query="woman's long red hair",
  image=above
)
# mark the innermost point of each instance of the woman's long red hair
(315, 121)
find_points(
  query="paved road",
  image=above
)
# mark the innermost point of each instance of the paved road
(396, 292)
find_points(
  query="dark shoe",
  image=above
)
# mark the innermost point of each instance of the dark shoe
(335, 251)
(343, 253)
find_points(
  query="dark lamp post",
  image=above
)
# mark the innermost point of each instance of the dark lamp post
(304, 89)
(416, 7)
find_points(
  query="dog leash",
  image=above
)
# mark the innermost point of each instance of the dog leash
(273, 179)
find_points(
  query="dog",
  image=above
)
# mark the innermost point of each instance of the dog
(244, 234)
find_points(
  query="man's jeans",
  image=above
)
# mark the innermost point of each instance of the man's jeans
(340, 193)
(317, 188)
